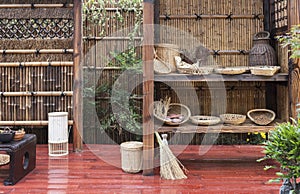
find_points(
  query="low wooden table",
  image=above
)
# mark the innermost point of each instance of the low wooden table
(22, 157)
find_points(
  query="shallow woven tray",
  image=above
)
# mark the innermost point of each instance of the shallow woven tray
(261, 116)
(231, 70)
(174, 108)
(264, 70)
(204, 120)
(4, 159)
(234, 119)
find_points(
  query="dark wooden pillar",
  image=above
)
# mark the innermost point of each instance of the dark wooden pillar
(77, 73)
(148, 87)
(294, 19)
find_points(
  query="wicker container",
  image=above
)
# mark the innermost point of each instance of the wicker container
(174, 109)
(262, 53)
(161, 67)
(261, 116)
(4, 159)
(131, 156)
(19, 135)
(234, 119)
(166, 53)
(264, 70)
(204, 120)
(231, 70)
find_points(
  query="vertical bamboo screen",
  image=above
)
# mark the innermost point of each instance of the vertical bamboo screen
(101, 71)
(36, 74)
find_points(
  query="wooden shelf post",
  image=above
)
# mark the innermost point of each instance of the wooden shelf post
(77, 93)
(148, 87)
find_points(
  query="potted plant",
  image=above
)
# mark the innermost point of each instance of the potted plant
(283, 146)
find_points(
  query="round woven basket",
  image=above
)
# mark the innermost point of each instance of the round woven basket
(204, 120)
(261, 116)
(131, 156)
(4, 159)
(166, 53)
(19, 135)
(160, 67)
(174, 109)
(234, 119)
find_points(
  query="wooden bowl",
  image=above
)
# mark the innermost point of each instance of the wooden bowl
(234, 119)
(261, 116)
(204, 120)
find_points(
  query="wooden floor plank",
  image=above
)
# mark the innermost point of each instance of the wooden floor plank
(222, 169)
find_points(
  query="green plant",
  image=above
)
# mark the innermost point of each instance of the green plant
(128, 60)
(283, 146)
(124, 116)
(292, 39)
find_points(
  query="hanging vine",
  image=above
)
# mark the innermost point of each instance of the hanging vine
(96, 13)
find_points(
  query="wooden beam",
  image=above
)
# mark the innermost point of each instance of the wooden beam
(77, 97)
(148, 87)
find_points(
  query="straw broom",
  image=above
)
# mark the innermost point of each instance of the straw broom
(170, 166)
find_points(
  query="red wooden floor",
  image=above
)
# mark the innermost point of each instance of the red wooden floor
(223, 169)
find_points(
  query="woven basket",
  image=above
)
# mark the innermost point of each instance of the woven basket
(234, 119)
(4, 159)
(264, 70)
(205, 120)
(261, 116)
(231, 70)
(161, 67)
(19, 135)
(174, 109)
(166, 53)
(131, 156)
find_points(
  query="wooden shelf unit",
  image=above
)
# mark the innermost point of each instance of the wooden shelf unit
(280, 77)
(246, 127)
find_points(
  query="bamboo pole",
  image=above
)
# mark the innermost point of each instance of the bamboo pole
(28, 123)
(109, 38)
(77, 84)
(27, 93)
(212, 16)
(37, 51)
(36, 5)
(36, 64)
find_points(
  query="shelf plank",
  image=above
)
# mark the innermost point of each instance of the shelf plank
(279, 77)
(246, 127)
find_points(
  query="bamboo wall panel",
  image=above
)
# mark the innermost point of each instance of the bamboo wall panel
(36, 71)
(233, 33)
